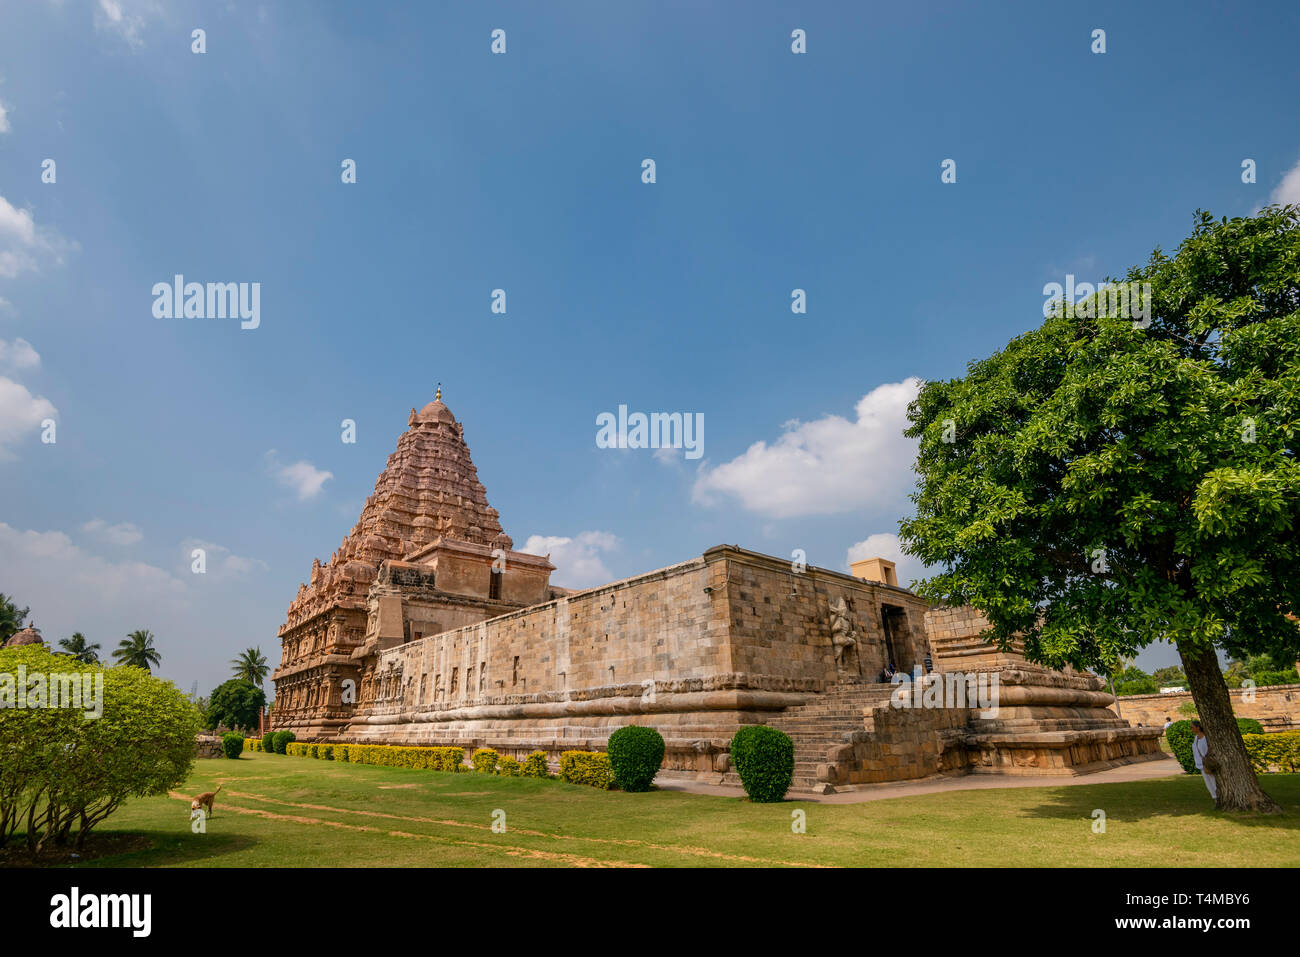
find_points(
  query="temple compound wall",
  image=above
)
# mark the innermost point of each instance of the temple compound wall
(696, 650)
(1276, 707)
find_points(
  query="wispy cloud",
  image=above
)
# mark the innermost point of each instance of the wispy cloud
(23, 244)
(123, 533)
(1288, 191)
(577, 560)
(826, 466)
(220, 562)
(126, 18)
(20, 413)
(18, 355)
(302, 477)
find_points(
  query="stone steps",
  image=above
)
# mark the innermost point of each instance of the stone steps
(825, 722)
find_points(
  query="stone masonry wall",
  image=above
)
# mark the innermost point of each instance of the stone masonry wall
(1276, 707)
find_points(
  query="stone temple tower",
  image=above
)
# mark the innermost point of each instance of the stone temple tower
(427, 495)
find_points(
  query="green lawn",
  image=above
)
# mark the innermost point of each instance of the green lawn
(287, 811)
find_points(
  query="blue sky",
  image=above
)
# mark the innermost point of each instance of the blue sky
(522, 172)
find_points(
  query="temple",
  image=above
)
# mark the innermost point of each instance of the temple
(426, 627)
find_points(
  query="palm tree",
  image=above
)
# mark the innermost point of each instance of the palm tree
(11, 617)
(79, 649)
(137, 649)
(251, 665)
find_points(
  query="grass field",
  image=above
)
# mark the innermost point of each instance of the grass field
(285, 811)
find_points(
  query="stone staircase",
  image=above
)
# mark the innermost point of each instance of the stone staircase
(826, 721)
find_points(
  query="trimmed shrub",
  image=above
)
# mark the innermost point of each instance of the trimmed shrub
(233, 744)
(1274, 752)
(535, 765)
(485, 760)
(587, 767)
(297, 750)
(508, 767)
(1180, 737)
(282, 739)
(635, 754)
(341, 752)
(68, 774)
(764, 759)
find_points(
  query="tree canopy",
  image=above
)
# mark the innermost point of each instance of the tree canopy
(1102, 483)
(236, 703)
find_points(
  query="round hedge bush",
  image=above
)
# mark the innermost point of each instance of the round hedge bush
(764, 759)
(282, 739)
(233, 744)
(635, 754)
(535, 765)
(1180, 737)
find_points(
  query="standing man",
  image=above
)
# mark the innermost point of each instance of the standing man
(1167, 724)
(1200, 753)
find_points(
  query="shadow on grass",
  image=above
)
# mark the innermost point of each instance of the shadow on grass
(1184, 796)
(171, 850)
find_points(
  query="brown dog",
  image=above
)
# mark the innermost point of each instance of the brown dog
(205, 800)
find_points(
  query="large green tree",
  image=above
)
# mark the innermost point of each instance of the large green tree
(137, 649)
(251, 665)
(1103, 483)
(236, 703)
(11, 617)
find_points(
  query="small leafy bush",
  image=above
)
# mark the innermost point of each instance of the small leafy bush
(282, 739)
(233, 744)
(635, 754)
(764, 759)
(508, 767)
(535, 765)
(587, 767)
(485, 760)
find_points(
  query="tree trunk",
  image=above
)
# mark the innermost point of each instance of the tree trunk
(1239, 789)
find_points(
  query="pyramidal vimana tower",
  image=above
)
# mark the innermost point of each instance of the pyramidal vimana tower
(426, 627)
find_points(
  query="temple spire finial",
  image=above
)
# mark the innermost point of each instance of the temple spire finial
(438, 397)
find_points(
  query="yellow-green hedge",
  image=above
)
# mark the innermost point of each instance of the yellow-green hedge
(253, 744)
(385, 755)
(1274, 752)
(485, 760)
(587, 767)
(508, 767)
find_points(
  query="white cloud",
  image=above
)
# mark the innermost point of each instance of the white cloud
(18, 354)
(885, 545)
(124, 533)
(127, 18)
(826, 466)
(4, 118)
(57, 578)
(1288, 191)
(304, 478)
(577, 560)
(220, 562)
(23, 244)
(20, 413)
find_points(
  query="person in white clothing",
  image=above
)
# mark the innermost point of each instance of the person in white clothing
(1200, 748)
